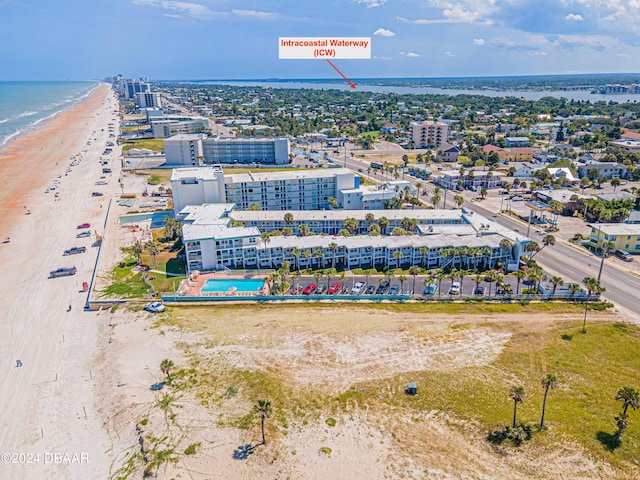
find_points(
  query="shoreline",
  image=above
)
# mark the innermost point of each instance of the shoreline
(41, 121)
(49, 403)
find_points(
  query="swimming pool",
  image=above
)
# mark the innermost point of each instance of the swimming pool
(221, 285)
(157, 218)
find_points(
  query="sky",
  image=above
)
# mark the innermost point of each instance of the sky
(238, 39)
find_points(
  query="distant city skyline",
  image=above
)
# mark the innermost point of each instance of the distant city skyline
(220, 39)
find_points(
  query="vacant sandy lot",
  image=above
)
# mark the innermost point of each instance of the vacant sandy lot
(336, 379)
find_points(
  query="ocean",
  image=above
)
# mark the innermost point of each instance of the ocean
(23, 105)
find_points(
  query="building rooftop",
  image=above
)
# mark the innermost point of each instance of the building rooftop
(193, 232)
(617, 228)
(204, 173)
(288, 175)
(185, 137)
(340, 215)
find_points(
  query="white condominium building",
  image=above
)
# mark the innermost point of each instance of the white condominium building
(148, 100)
(429, 134)
(167, 128)
(212, 243)
(184, 150)
(225, 150)
(294, 190)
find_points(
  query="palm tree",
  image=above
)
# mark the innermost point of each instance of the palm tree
(165, 366)
(369, 218)
(319, 254)
(574, 288)
(520, 274)
(435, 199)
(459, 199)
(414, 270)
(629, 398)
(397, 254)
(517, 394)
(548, 382)
(402, 279)
(593, 287)
(303, 230)
(153, 251)
(424, 251)
(138, 248)
(263, 410)
(491, 277)
(266, 239)
(296, 253)
(351, 225)
(546, 241)
(374, 230)
(556, 281)
(440, 275)
(428, 281)
(333, 246)
(288, 218)
(384, 223)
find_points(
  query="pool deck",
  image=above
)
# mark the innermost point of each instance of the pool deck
(193, 285)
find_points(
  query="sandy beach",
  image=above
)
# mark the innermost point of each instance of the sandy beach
(47, 410)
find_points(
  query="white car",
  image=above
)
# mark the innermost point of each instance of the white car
(357, 288)
(455, 288)
(154, 307)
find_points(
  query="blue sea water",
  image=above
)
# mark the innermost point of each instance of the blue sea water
(23, 105)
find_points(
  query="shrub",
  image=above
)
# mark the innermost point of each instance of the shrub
(331, 422)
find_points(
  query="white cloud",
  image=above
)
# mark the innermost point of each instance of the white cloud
(541, 53)
(478, 41)
(371, 3)
(255, 14)
(449, 54)
(193, 9)
(382, 58)
(575, 17)
(623, 55)
(383, 32)
(460, 11)
(410, 54)
(614, 15)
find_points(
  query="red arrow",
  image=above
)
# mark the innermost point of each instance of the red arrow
(351, 84)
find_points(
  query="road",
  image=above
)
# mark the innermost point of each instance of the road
(573, 264)
(566, 261)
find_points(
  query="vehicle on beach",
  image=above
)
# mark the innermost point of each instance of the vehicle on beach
(74, 250)
(101, 182)
(83, 225)
(83, 234)
(155, 307)
(63, 272)
(97, 194)
(6, 240)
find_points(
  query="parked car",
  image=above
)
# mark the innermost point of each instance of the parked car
(430, 289)
(370, 290)
(382, 288)
(455, 288)
(321, 289)
(83, 234)
(154, 307)
(296, 291)
(83, 225)
(74, 250)
(394, 290)
(63, 272)
(357, 288)
(624, 256)
(478, 290)
(309, 289)
(334, 288)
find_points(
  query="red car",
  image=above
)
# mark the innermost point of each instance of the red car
(309, 289)
(83, 225)
(297, 291)
(334, 288)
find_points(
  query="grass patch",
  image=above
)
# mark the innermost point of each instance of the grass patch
(330, 421)
(154, 144)
(325, 451)
(161, 176)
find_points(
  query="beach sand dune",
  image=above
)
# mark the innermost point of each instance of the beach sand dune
(47, 405)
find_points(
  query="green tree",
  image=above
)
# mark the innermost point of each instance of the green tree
(165, 367)
(593, 287)
(556, 281)
(384, 223)
(263, 410)
(288, 218)
(629, 398)
(615, 183)
(549, 381)
(459, 199)
(517, 395)
(153, 250)
(414, 270)
(138, 248)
